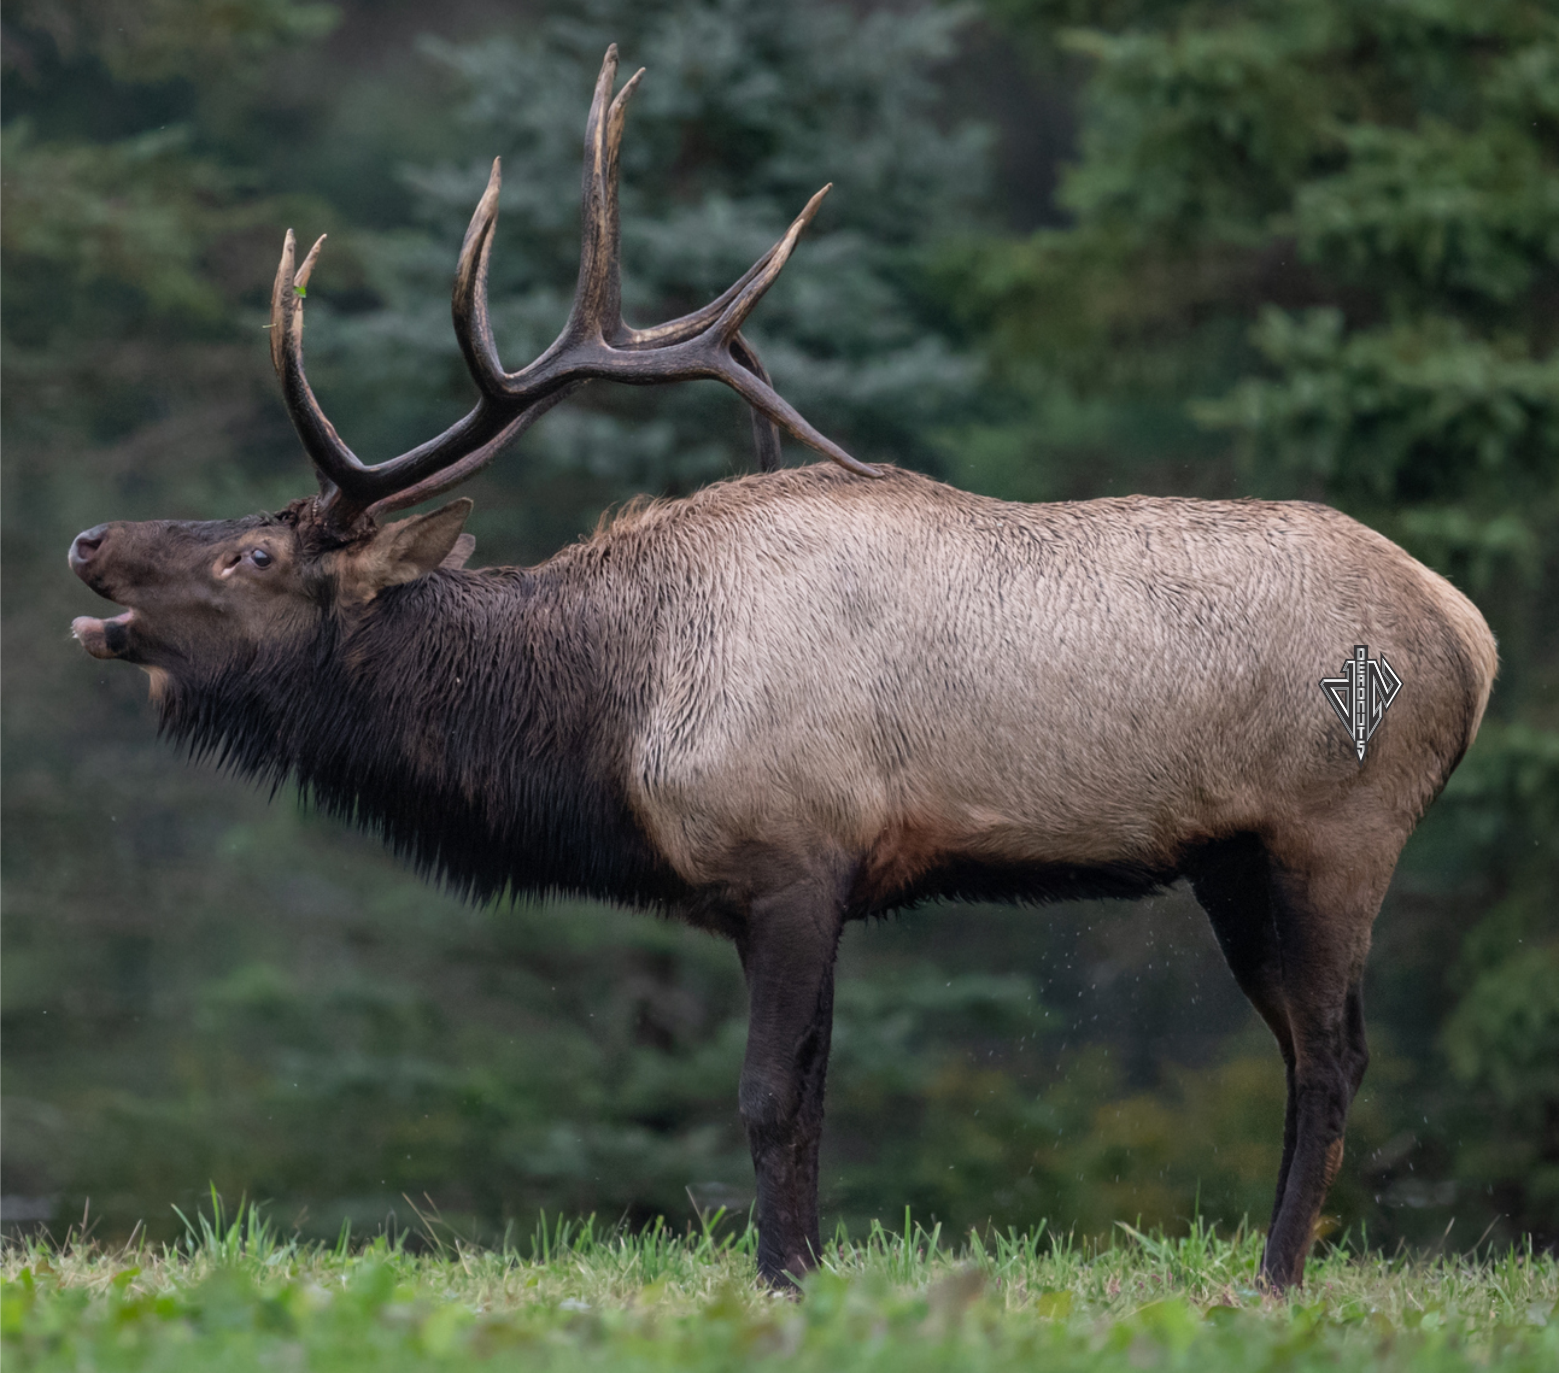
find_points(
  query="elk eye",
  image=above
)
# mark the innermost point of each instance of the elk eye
(260, 558)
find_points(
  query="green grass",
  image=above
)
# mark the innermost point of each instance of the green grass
(234, 1294)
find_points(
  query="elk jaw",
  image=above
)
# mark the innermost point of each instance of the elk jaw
(103, 638)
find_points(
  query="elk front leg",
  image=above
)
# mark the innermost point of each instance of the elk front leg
(788, 950)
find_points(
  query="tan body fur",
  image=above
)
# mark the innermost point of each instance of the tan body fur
(908, 673)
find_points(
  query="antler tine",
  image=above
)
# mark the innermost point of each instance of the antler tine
(598, 291)
(702, 343)
(611, 318)
(763, 397)
(765, 433)
(697, 321)
(473, 326)
(300, 278)
(734, 314)
(279, 316)
(335, 462)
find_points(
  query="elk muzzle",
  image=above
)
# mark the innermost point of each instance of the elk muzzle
(100, 638)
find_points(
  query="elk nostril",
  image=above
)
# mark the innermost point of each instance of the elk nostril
(85, 545)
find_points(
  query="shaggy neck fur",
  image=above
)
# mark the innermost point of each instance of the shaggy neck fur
(477, 721)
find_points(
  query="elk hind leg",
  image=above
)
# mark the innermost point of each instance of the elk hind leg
(1323, 912)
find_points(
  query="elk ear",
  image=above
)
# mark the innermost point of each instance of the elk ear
(460, 554)
(408, 549)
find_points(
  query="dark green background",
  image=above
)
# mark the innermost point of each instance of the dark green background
(1076, 247)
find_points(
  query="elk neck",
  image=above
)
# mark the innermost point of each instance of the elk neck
(477, 721)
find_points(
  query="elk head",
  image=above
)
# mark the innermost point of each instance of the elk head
(203, 596)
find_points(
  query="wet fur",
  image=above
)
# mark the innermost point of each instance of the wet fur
(461, 718)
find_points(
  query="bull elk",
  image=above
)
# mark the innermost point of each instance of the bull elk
(805, 696)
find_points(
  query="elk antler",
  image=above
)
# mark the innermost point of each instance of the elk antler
(594, 343)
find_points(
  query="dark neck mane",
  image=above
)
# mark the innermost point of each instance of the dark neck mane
(474, 720)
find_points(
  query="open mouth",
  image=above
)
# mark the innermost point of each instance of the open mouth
(103, 638)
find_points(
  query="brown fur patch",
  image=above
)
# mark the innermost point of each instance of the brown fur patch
(901, 854)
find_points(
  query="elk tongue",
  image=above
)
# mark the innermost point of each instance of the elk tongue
(103, 638)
